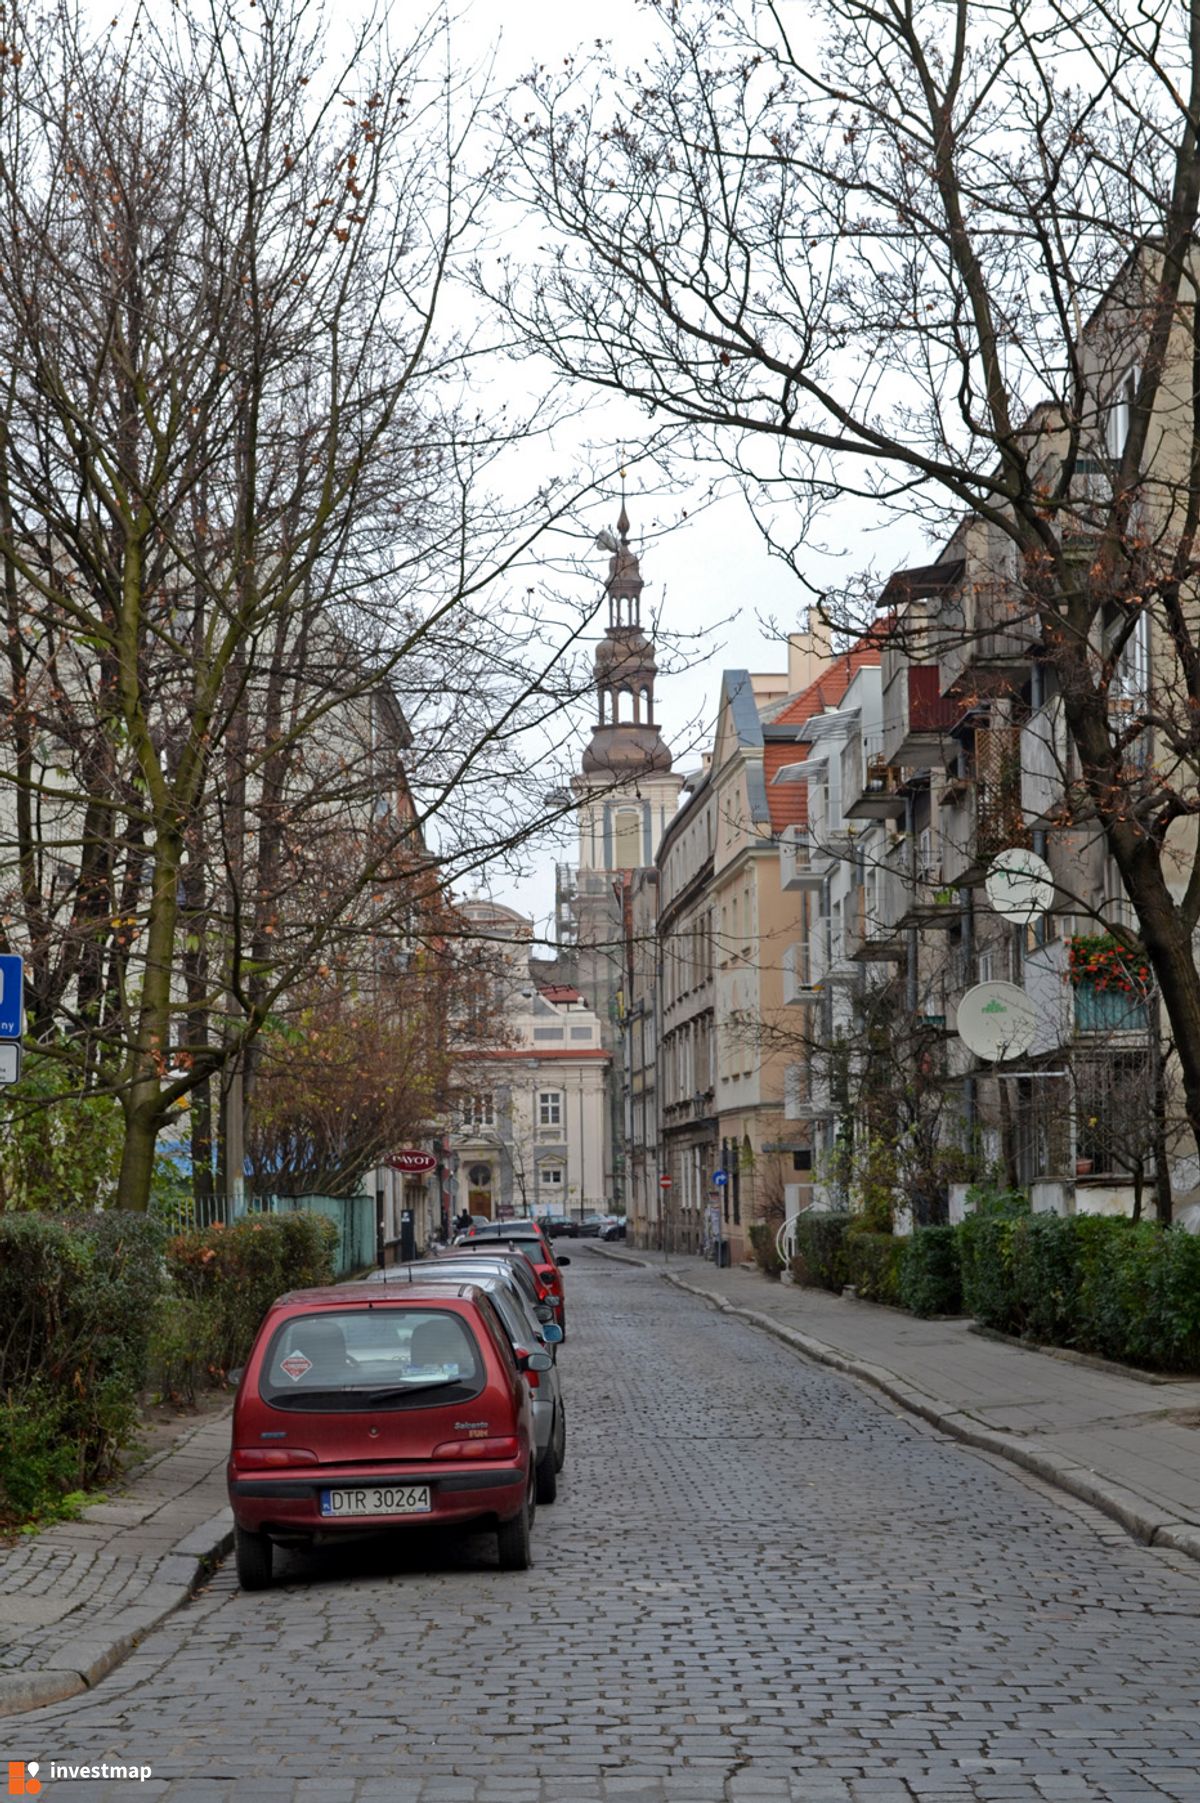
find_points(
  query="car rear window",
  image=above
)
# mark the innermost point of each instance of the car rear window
(371, 1358)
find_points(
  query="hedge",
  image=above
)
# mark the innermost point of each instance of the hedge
(1121, 1289)
(820, 1260)
(873, 1262)
(78, 1300)
(231, 1275)
(931, 1272)
(762, 1245)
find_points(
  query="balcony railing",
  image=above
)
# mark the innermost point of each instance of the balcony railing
(802, 865)
(802, 973)
(1109, 1011)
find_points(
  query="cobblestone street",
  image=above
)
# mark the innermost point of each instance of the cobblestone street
(758, 1583)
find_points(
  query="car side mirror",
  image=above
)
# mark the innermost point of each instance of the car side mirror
(537, 1361)
(544, 1312)
(552, 1334)
(562, 1262)
(233, 1378)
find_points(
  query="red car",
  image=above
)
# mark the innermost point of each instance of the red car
(365, 1409)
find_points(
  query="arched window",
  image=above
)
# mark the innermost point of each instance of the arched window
(647, 709)
(624, 702)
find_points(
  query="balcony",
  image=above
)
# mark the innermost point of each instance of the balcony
(801, 867)
(916, 720)
(1109, 1011)
(870, 785)
(802, 974)
(876, 938)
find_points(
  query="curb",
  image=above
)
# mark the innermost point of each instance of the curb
(1153, 1527)
(176, 1576)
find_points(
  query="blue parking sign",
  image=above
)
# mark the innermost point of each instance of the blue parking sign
(12, 984)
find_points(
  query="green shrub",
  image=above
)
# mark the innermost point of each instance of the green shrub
(873, 1262)
(78, 1299)
(239, 1270)
(1139, 1294)
(185, 1348)
(820, 1261)
(39, 1466)
(985, 1241)
(931, 1272)
(762, 1245)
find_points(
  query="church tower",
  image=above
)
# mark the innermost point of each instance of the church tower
(626, 793)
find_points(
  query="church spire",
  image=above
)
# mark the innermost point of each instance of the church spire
(626, 741)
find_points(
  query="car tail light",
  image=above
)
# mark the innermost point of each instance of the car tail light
(273, 1455)
(499, 1447)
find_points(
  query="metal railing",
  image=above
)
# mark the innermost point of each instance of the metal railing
(354, 1217)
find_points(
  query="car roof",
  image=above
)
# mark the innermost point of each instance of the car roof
(423, 1273)
(364, 1293)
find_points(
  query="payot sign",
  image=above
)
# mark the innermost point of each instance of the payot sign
(412, 1162)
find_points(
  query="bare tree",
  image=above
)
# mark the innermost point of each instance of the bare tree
(245, 537)
(942, 258)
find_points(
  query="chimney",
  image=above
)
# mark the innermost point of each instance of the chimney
(808, 652)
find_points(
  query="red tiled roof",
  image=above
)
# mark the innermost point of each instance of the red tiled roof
(559, 992)
(788, 802)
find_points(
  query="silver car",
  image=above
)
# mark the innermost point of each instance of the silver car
(504, 1286)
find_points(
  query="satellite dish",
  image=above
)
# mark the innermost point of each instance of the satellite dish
(997, 1021)
(1019, 886)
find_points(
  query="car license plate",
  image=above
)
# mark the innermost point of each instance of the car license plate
(377, 1499)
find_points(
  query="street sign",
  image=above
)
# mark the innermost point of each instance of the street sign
(720, 1178)
(10, 1062)
(665, 1182)
(412, 1163)
(12, 986)
(997, 1021)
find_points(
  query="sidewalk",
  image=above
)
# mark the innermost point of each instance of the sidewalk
(1127, 1443)
(76, 1599)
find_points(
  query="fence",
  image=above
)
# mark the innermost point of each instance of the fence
(354, 1217)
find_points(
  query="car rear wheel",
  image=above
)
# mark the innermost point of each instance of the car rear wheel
(513, 1538)
(253, 1554)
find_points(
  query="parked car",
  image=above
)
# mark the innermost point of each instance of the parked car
(589, 1227)
(499, 1281)
(558, 1227)
(463, 1264)
(613, 1228)
(487, 1257)
(380, 1408)
(528, 1237)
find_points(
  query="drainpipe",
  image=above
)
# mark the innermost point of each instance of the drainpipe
(913, 938)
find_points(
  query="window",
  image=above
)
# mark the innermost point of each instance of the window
(1120, 414)
(627, 839)
(550, 1108)
(478, 1111)
(551, 1176)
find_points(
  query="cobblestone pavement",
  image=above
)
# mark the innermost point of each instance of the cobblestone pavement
(758, 1583)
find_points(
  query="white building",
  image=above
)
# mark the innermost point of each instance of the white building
(529, 1139)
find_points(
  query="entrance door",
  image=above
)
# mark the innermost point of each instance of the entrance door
(479, 1190)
